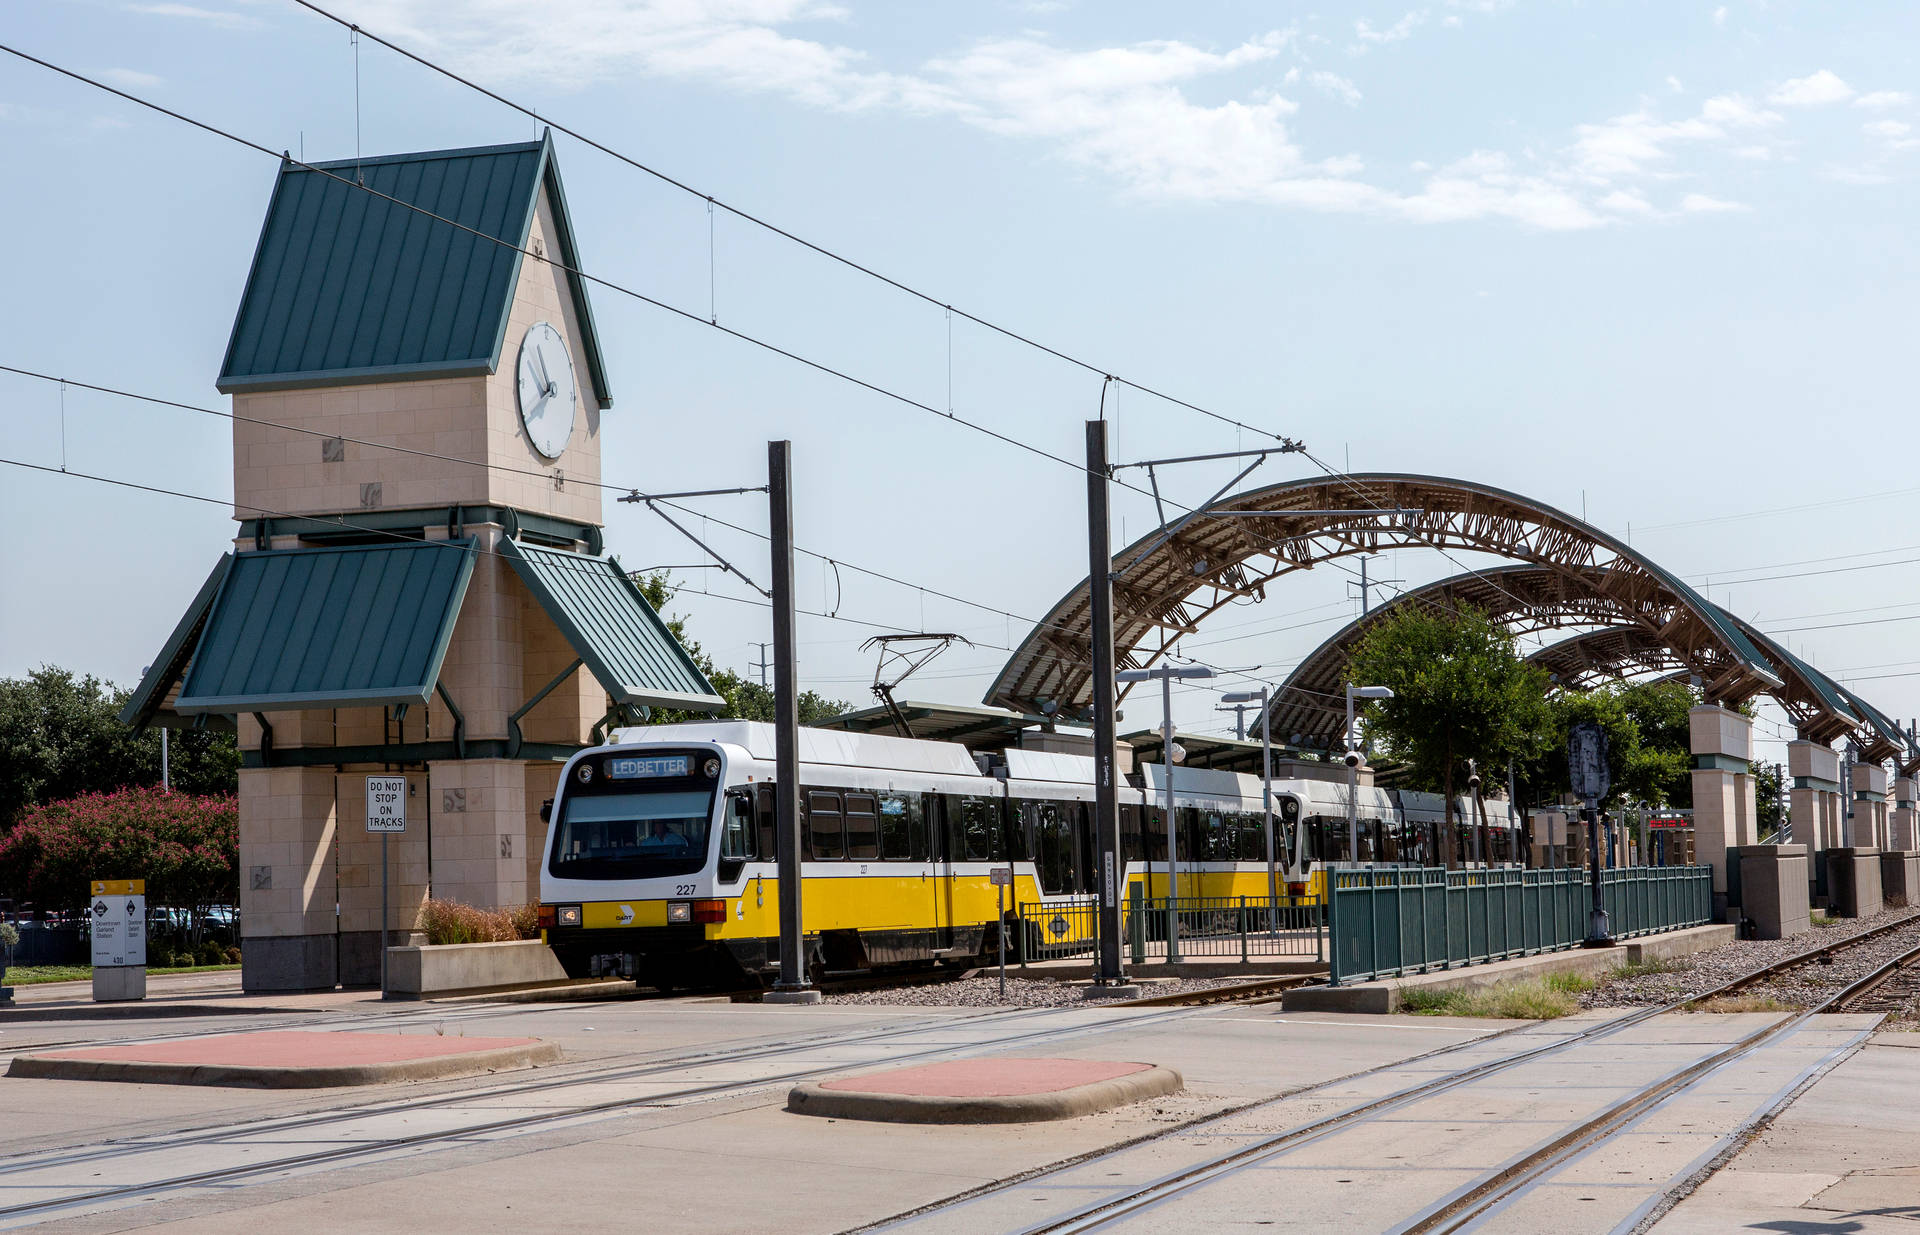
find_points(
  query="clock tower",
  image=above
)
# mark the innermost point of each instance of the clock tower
(419, 584)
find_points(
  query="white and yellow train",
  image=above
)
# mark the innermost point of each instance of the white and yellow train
(659, 861)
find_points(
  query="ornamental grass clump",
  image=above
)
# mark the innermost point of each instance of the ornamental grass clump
(447, 922)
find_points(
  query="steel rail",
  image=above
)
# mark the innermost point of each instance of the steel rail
(520, 1123)
(1097, 1214)
(1464, 1209)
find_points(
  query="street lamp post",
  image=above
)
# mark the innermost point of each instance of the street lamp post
(1353, 765)
(1238, 699)
(1166, 674)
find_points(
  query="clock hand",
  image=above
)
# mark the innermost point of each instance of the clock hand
(546, 383)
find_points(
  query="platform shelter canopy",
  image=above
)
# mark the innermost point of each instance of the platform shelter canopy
(1164, 585)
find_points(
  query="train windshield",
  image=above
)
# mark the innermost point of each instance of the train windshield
(639, 835)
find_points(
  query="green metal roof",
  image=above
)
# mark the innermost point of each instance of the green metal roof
(330, 627)
(147, 705)
(349, 287)
(613, 628)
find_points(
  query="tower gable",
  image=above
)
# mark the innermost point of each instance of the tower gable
(348, 287)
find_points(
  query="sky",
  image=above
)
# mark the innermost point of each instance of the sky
(1652, 263)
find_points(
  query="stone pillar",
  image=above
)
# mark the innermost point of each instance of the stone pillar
(1900, 823)
(1815, 773)
(1723, 790)
(1869, 825)
(287, 883)
(482, 827)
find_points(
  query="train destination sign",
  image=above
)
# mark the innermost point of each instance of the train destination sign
(648, 767)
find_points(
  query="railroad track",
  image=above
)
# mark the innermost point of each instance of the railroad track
(1265, 990)
(314, 1126)
(1465, 1206)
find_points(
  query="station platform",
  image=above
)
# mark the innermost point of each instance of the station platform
(289, 1059)
(982, 1091)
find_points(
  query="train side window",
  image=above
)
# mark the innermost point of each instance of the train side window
(1132, 846)
(863, 827)
(826, 835)
(763, 816)
(973, 826)
(902, 828)
(736, 834)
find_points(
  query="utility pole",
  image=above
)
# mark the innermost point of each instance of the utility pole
(1239, 711)
(763, 664)
(1261, 699)
(1108, 978)
(1366, 586)
(792, 985)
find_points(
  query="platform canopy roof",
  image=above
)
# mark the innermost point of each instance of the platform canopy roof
(369, 626)
(1168, 582)
(609, 623)
(410, 276)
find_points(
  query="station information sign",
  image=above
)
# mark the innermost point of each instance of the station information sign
(1670, 821)
(118, 910)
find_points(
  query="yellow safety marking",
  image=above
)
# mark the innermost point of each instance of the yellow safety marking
(119, 887)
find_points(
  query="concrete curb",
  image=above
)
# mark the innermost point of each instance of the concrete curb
(811, 1099)
(19, 1013)
(440, 1067)
(1385, 996)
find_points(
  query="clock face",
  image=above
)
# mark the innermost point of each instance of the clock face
(546, 389)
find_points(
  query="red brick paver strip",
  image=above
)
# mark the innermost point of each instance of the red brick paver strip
(294, 1048)
(989, 1078)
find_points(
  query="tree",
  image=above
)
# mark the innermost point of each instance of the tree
(1648, 747)
(1770, 793)
(1461, 691)
(186, 846)
(61, 736)
(746, 699)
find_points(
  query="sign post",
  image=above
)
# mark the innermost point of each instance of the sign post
(1002, 876)
(386, 814)
(1590, 777)
(118, 910)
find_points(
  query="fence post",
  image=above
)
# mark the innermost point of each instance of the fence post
(1020, 919)
(1136, 923)
(1243, 930)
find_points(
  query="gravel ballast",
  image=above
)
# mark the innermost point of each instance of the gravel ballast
(1021, 993)
(1800, 987)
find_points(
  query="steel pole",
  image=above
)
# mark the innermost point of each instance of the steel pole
(1106, 797)
(1598, 933)
(1173, 833)
(1353, 789)
(384, 901)
(1266, 804)
(786, 720)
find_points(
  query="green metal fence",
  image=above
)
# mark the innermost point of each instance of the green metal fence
(1245, 928)
(1388, 922)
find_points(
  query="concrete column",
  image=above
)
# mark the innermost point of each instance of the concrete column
(482, 826)
(1869, 828)
(1723, 790)
(1900, 824)
(287, 885)
(1814, 771)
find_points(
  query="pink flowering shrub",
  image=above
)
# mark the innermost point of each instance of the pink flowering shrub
(186, 846)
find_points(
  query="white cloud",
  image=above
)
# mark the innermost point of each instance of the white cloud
(1700, 203)
(1813, 90)
(1624, 202)
(1335, 86)
(1639, 143)
(1881, 100)
(1673, 84)
(1892, 130)
(224, 18)
(132, 79)
(1369, 34)
(1720, 16)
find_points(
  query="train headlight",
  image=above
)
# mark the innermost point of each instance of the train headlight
(679, 911)
(566, 915)
(711, 768)
(584, 772)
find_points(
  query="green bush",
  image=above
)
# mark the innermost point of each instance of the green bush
(159, 956)
(209, 953)
(233, 956)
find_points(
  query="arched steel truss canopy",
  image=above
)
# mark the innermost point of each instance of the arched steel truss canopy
(1165, 586)
(1529, 601)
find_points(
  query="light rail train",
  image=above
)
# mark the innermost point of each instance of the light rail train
(659, 858)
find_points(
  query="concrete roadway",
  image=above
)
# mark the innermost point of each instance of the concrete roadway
(740, 1163)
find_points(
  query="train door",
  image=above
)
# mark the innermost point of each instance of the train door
(1051, 827)
(935, 837)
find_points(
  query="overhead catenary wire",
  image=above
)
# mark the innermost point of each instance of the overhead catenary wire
(773, 228)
